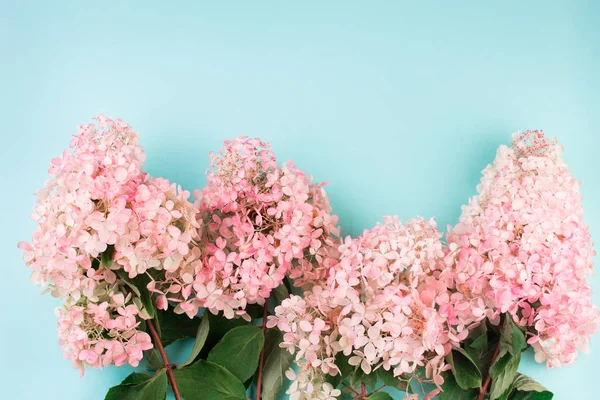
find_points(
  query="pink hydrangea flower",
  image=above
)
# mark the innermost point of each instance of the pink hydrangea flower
(100, 216)
(263, 222)
(310, 385)
(386, 304)
(82, 208)
(163, 244)
(523, 248)
(101, 335)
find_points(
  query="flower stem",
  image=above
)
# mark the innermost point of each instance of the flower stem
(350, 388)
(375, 391)
(261, 361)
(363, 392)
(484, 388)
(161, 350)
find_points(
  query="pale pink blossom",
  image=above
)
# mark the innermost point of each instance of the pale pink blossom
(386, 304)
(99, 217)
(86, 338)
(522, 247)
(263, 222)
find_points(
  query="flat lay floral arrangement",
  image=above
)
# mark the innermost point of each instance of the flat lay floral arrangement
(256, 271)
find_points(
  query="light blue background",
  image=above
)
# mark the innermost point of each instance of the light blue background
(398, 105)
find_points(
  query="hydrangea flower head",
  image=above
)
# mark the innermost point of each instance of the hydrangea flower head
(263, 222)
(104, 332)
(523, 247)
(82, 208)
(99, 219)
(386, 304)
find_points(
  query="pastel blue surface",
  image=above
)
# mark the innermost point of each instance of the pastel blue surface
(398, 105)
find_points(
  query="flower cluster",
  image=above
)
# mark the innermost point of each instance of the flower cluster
(104, 332)
(101, 220)
(310, 385)
(395, 299)
(522, 246)
(163, 244)
(386, 304)
(263, 222)
(82, 209)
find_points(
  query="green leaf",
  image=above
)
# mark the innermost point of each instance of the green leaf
(176, 326)
(205, 380)
(503, 372)
(531, 396)
(483, 358)
(512, 339)
(141, 281)
(219, 326)
(341, 361)
(201, 336)
(397, 382)
(506, 394)
(277, 361)
(387, 377)
(281, 293)
(138, 286)
(135, 377)
(140, 387)
(477, 346)
(504, 368)
(451, 390)
(153, 360)
(478, 334)
(255, 311)
(380, 396)
(106, 258)
(527, 384)
(525, 388)
(481, 343)
(125, 277)
(239, 351)
(370, 380)
(290, 287)
(479, 329)
(465, 370)
(359, 377)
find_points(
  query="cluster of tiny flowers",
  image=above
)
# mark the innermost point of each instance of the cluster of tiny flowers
(99, 217)
(395, 298)
(82, 209)
(104, 332)
(522, 246)
(262, 222)
(163, 244)
(386, 304)
(310, 384)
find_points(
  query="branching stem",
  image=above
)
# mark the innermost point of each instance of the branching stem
(350, 388)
